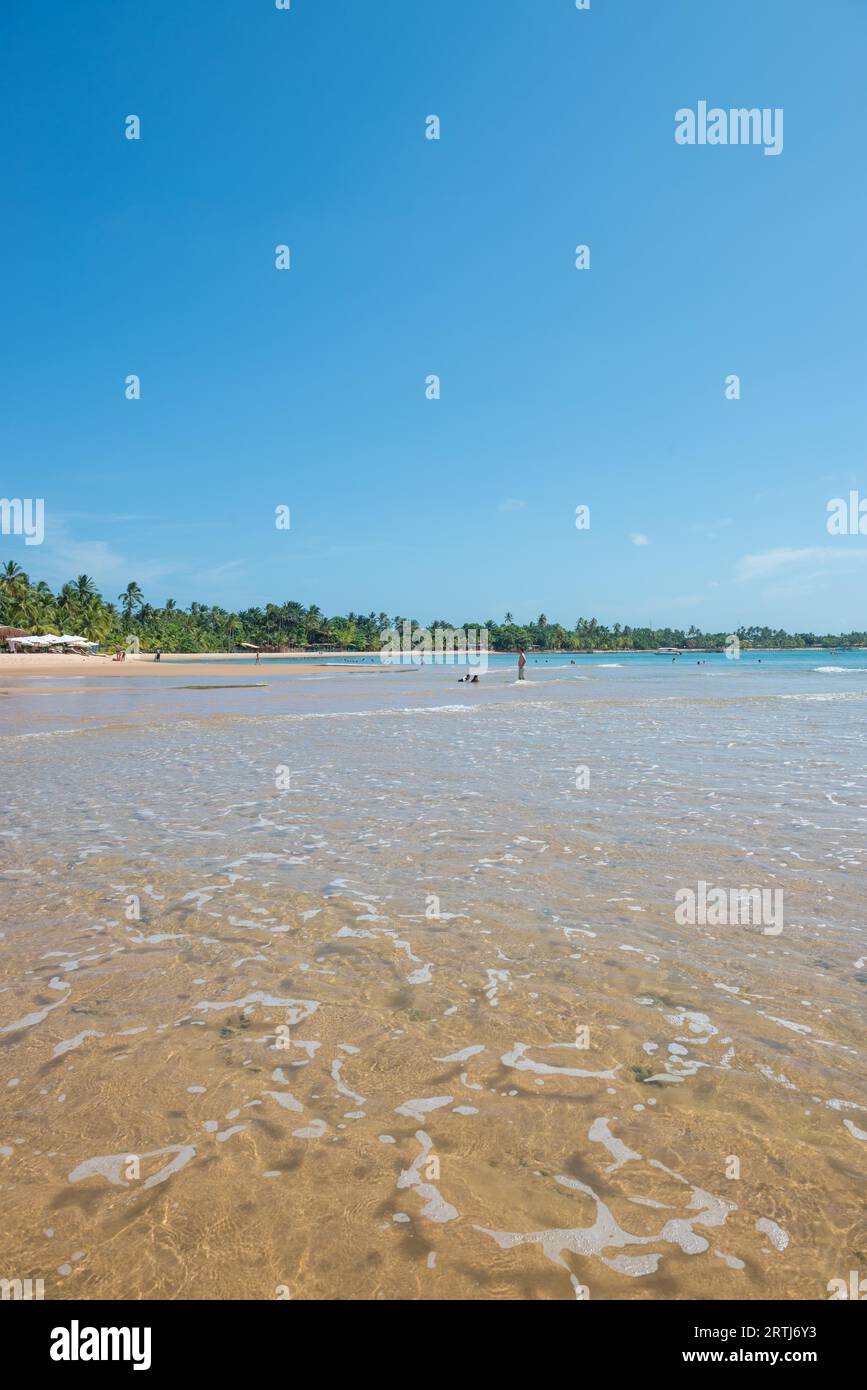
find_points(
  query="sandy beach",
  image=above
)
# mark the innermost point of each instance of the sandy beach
(15, 664)
(372, 986)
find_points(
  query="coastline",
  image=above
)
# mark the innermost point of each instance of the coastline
(178, 664)
(287, 945)
(215, 663)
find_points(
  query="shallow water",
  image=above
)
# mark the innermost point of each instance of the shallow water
(297, 981)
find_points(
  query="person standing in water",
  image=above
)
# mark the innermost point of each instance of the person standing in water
(522, 661)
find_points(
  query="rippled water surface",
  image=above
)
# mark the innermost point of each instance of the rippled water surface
(363, 984)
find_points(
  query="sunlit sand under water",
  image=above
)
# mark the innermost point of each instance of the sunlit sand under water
(294, 990)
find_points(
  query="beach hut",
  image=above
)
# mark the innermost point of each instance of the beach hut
(8, 635)
(28, 643)
(51, 642)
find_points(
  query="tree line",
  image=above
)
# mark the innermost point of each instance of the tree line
(78, 608)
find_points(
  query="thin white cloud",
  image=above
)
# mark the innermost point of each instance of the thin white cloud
(217, 571)
(61, 558)
(710, 529)
(67, 559)
(106, 518)
(639, 538)
(512, 504)
(772, 562)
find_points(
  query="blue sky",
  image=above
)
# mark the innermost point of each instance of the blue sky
(410, 257)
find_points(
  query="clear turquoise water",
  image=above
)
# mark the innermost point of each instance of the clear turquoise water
(285, 834)
(795, 659)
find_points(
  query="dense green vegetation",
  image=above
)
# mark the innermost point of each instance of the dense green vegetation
(79, 609)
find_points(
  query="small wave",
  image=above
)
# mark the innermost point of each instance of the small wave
(833, 670)
(400, 710)
(211, 721)
(611, 664)
(827, 695)
(426, 709)
(48, 733)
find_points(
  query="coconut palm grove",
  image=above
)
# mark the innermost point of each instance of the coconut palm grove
(78, 607)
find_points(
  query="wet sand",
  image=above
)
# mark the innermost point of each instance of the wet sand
(18, 665)
(364, 998)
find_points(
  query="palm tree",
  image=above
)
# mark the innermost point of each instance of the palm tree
(85, 587)
(233, 627)
(130, 598)
(27, 612)
(96, 619)
(13, 580)
(66, 604)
